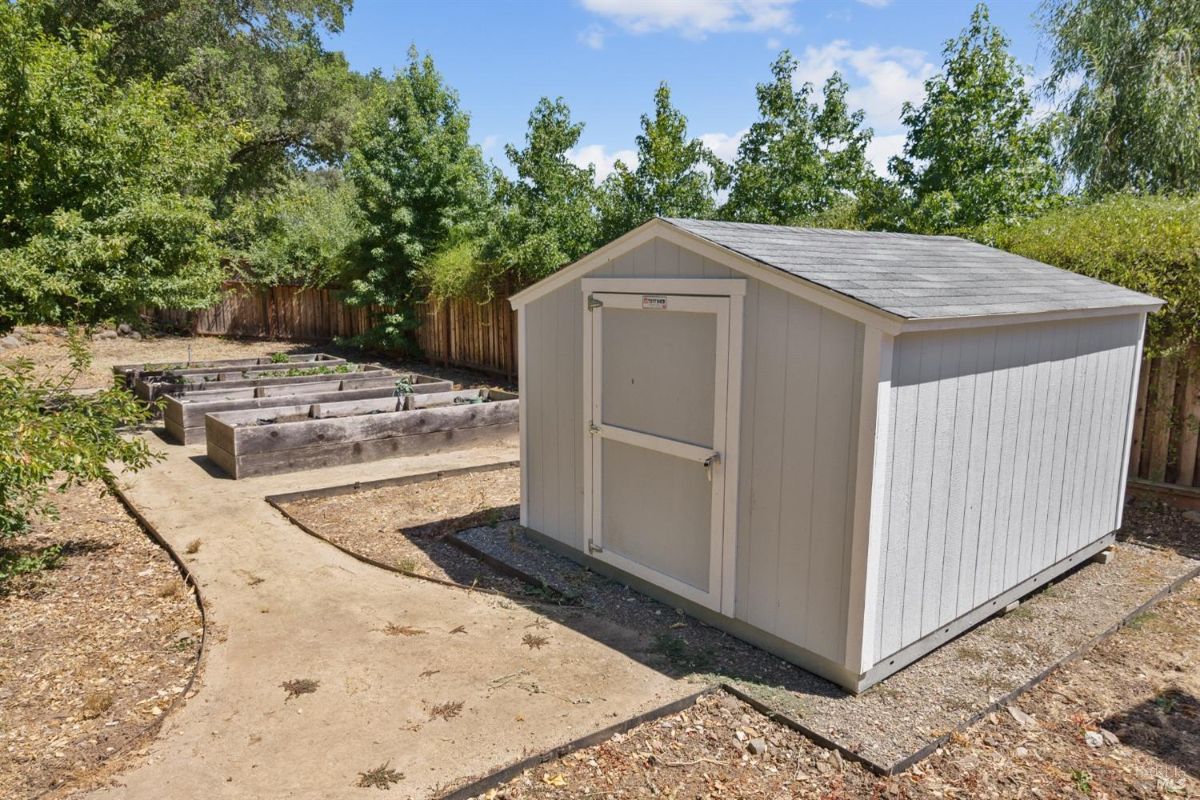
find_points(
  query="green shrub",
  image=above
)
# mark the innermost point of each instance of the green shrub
(54, 439)
(1148, 244)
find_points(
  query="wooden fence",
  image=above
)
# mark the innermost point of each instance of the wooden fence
(1166, 424)
(460, 333)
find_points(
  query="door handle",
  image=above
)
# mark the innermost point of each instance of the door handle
(708, 465)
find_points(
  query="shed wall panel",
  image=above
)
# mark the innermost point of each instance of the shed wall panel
(1006, 447)
(801, 373)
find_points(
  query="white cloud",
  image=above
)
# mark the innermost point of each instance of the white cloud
(593, 37)
(876, 3)
(695, 19)
(773, 43)
(881, 80)
(723, 145)
(598, 156)
(489, 143)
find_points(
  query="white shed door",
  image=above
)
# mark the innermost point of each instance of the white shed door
(659, 396)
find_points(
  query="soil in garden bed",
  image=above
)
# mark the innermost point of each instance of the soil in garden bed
(93, 652)
(405, 527)
(1121, 723)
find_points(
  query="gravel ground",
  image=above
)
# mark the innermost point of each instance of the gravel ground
(1122, 722)
(405, 527)
(92, 653)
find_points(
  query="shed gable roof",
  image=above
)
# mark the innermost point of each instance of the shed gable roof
(917, 277)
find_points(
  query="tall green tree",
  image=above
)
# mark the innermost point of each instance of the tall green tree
(418, 181)
(259, 63)
(800, 158)
(548, 213)
(1128, 75)
(676, 176)
(972, 152)
(104, 197)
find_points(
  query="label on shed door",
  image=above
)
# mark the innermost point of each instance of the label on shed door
(652, 301)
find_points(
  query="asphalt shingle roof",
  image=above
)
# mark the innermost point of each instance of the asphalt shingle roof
(916, 277)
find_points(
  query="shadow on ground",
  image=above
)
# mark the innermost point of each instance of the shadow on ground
(1166, 726)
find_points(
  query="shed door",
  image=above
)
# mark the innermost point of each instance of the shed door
(659, 392)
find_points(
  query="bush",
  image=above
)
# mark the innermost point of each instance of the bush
(54, 439)
(1148, 244)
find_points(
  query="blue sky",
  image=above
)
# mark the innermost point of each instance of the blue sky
(606, 57)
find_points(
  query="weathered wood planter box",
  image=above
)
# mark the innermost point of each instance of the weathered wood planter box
(184, 415)
(150, 387)
(313, 435)
(129, 374)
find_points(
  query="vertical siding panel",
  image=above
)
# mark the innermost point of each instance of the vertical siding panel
(766, 466)
(1105, 375)
(923, 452)
(531, 396)
(1014, 391)
(1038, 498)
(691, 264)
(1065, 424)
(799, 466)
(1038, 362)
(567, 407)
(836, 420)
(1119, 388)
(978, 513)
(960, 475)
(712, 269)
(643, 260)
(666, 258)
(1077, 465)
(941, 469)
(907, 375)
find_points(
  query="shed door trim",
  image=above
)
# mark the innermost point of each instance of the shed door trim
(681, 294)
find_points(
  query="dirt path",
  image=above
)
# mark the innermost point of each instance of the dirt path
(438, 683)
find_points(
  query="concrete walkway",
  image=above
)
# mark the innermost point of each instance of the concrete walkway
(284, 606)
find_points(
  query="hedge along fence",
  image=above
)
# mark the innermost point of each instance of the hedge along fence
(458, 332)
(1152, 245)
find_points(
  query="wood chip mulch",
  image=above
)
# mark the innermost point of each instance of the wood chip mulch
(94, 652)
(405, 526)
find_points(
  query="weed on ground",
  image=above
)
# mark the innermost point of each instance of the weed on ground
(299, 686)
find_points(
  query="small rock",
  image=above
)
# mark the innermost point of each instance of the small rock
(741, 737)
(1093, 739)
(1194, 516)
(135, 336)
(124, 329)
(1021, 752)
(1023, 719)
(9, 342)
(757, 747)
(105, 335)
(1110, 737)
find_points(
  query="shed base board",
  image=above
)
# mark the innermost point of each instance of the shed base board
(813, 662)
(902, 658)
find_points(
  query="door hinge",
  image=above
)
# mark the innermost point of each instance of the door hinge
(594, 548)
(592, 428)
(593, 303)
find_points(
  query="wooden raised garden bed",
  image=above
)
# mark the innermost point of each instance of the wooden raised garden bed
(130, 374)
(184, 415)
(313, 435)
(151, 386)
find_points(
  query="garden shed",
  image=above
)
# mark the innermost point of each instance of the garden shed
(845, 447)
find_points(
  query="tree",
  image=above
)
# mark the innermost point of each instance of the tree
(972, 154)
(417, 180)
(548, 212)
(104, 202)
(675, 176)
(54, 438)
(260, 63)
(799, 160)
(1128, 75)
(300, 234)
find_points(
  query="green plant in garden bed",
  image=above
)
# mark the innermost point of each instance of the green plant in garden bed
(54, 440)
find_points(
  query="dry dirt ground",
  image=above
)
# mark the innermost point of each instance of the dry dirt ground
(405, 527)
(94, 652)
(1123, 722)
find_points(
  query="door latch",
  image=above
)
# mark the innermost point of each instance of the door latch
(593, 429)
(708, 465)
(593, 302)
(594, 548)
